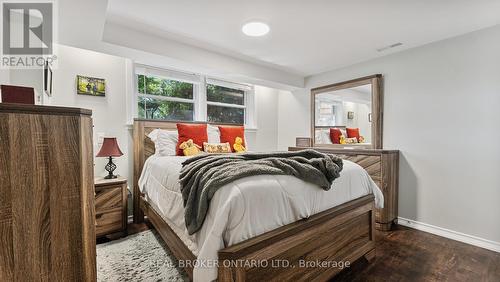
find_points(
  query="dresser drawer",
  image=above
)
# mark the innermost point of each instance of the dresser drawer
(108, 198)
(372, 164)
(108, 222)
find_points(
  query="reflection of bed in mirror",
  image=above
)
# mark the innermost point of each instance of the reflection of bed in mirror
(348, 114)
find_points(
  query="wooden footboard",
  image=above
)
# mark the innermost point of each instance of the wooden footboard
(313, 249)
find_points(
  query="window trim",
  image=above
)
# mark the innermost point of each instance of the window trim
(167, 98)
(227, 105)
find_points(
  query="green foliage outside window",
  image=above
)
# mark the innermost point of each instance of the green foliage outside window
(152, 108)
(216, 93)
(164, 87)
(225, 114)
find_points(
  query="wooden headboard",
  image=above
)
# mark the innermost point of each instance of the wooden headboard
(144, 148)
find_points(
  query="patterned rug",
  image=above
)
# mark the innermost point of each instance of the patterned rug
(139, 257)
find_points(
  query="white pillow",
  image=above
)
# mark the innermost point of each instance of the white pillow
(213, 134)
(325, 137)
(165, 141)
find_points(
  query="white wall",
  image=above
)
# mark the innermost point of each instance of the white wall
(28, 78)
(4, 76)
(265, 138)
(108, 113)
(294, 117)
(441, 110)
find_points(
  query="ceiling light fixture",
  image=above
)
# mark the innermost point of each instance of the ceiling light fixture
(255, 29)
(389, 47)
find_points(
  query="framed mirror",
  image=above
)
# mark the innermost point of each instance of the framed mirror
(348, 114)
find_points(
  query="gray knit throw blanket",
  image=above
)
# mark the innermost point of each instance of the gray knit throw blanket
(202, 175)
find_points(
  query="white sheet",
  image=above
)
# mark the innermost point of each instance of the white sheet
(247, 207)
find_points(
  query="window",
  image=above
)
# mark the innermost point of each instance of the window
(176, 96)
(162, 98)
(225, 105)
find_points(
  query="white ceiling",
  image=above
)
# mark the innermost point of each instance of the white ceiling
(307, 37)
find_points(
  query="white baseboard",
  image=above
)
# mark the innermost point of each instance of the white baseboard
(450, 234)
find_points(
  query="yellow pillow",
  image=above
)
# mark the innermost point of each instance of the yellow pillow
(214, 148)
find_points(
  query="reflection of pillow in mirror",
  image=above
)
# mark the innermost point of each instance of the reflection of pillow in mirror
(353, 133)
(352, 140)
(335, 134)
(325, 137)
(344, 132)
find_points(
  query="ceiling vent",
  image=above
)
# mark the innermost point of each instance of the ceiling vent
(389, 47)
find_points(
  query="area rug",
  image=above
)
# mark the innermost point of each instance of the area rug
(139, 257)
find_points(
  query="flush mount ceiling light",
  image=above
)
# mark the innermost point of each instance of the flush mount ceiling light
(255, 29)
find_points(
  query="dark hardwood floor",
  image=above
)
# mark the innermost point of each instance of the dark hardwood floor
(406, 254)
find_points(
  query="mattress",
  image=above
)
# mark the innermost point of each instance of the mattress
(247, 207)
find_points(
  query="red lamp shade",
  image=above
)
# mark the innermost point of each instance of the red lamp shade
(109, 148)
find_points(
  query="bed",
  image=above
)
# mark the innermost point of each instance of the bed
(261, 227)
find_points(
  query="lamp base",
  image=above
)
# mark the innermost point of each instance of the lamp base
(110, 176)
(110, 167)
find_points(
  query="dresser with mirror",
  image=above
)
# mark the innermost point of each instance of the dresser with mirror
(347, 120)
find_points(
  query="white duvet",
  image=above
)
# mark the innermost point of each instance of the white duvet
(247, 207)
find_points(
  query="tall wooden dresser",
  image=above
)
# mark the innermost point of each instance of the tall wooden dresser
(47, 218)
(383, 168)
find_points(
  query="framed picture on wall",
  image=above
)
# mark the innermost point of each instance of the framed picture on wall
(92, 86)
(47, 79)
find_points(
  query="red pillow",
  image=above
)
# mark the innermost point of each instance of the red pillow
(197, 132)
(353, 132)
(335, 134)
(229, 134)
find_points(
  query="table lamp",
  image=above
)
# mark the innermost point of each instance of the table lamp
(110, 149)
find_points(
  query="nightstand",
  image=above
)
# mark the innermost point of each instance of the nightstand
(110, 206)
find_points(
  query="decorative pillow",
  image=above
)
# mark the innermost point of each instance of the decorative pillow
(335, 134)
(353, 133)
(213, 148)
(165, 142)
(213, 134)
(196, 132)
(229, 134)
(323, 136)
(351, 140)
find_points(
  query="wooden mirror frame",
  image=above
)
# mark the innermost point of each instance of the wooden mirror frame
(376, 82)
